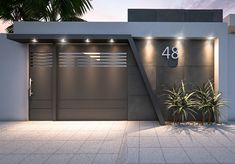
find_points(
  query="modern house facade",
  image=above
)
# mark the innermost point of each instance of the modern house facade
(114, 70)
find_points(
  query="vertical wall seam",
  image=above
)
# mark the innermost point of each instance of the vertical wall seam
(54, 82)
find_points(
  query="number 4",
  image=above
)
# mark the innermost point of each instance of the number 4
(166, 52)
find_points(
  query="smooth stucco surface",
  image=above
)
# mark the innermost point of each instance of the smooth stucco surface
(231, 77)
(13, 80)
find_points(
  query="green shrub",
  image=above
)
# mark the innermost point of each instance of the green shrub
(209, 102)
(180, 103)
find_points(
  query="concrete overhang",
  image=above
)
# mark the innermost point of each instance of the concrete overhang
(135, 29)
(70, 38)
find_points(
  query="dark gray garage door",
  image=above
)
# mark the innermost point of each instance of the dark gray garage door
(78, 82)
(92, 82)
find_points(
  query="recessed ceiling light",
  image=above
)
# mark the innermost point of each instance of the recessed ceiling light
(149, 37)
(210, 38)
(87, 40)
(34, 40)
(63, 40)
(111, 40)
(180, 38)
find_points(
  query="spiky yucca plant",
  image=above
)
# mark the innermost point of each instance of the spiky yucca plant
(209, 102)
(180, 103)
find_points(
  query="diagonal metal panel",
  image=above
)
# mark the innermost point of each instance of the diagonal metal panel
(146, 81)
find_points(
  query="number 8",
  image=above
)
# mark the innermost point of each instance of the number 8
(175, 53)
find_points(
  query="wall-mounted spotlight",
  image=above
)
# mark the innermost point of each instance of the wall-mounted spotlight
(111, 40)
(63, 40)
(87, 40)
(34, 40)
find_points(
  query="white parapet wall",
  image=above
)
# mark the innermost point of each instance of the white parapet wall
(13, 80)
(230, 20)
(231, 77)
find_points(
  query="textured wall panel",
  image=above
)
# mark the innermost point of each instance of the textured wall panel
(195, 64)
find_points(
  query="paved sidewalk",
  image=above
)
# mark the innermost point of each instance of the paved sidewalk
(114, 142)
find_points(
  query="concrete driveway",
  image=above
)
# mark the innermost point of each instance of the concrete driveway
(114, 142)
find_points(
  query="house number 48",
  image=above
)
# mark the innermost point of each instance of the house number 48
(171, 53)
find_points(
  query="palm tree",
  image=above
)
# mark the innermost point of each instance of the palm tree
(43, 10)
(13, 10)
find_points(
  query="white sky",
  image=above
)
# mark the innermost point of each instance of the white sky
(116, 10)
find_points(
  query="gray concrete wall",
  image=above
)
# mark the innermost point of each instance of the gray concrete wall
(13, 81)
(195, 64)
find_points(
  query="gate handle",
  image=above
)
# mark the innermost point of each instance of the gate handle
(30, 87)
